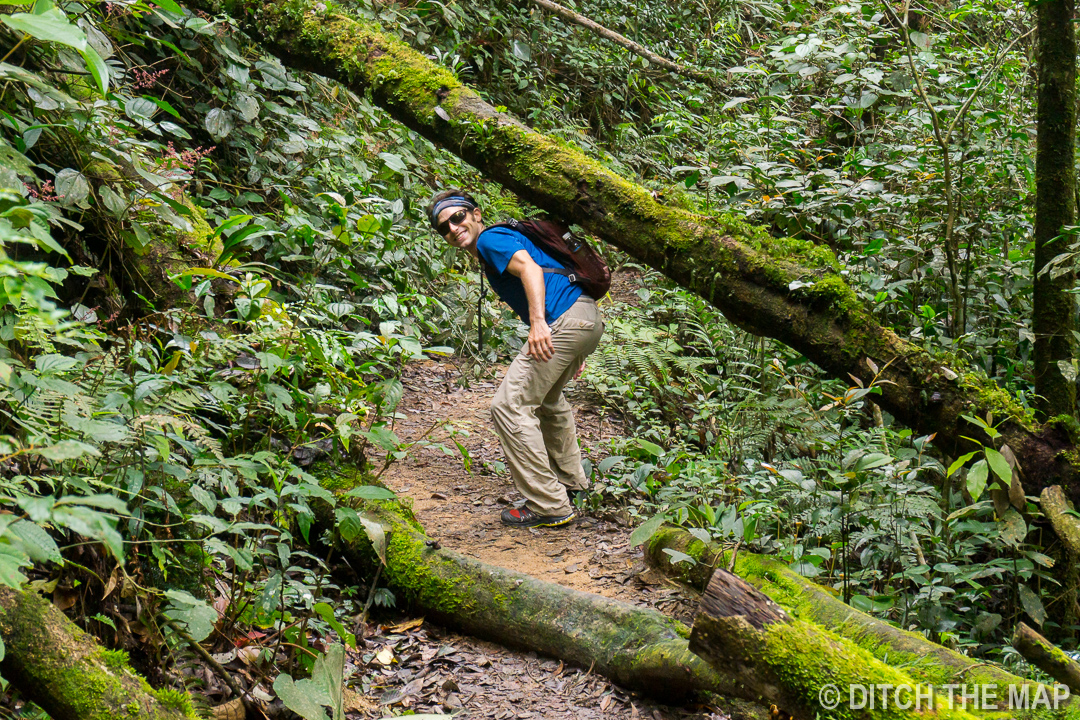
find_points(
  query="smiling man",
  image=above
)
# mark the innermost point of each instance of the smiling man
(534, 421)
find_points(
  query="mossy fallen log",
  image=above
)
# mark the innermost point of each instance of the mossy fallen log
(922, 660)
(637, 647)
(787, 289)
(1058, 510)
(61, 669)
(801, 668)
(1041, 653)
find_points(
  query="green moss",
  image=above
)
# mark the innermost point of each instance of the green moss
(1069, 425)
(175, 699)
(990, 396)
(117, 661)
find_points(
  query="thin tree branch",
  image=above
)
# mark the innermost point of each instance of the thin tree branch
(627, 43)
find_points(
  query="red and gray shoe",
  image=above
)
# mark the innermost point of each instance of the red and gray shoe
(524, 517)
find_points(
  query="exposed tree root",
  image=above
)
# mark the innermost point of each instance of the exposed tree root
(60, 668)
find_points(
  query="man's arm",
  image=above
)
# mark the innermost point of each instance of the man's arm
(532, 277)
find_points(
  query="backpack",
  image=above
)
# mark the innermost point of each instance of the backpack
(582, 265)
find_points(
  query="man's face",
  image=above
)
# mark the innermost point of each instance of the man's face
(463, 226)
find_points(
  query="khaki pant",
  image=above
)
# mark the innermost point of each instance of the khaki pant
(535, 422)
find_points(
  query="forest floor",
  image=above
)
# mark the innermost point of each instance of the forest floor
(443, 671)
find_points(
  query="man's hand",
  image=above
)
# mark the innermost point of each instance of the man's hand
(540, 346)
(580, 370)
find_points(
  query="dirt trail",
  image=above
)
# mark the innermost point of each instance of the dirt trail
(462, 509)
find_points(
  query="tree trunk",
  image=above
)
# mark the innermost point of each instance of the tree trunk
(923, 660)
(1055, 204)
(637, 647)
(781, 288)
(801, 668)
(627, 43)
(60, 668)
(1042, 654)
(1057, 509)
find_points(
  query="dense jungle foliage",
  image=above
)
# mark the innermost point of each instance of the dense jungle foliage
(215, 268)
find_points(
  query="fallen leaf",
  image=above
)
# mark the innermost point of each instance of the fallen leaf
(385, 656)
(249, 654)
(438, 496)
(573, 568)
(407, 625)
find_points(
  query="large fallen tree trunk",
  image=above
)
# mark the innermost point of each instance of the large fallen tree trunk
(808, 671)
(61, 669)
(923, 660)
(638, 648)
(781, 288)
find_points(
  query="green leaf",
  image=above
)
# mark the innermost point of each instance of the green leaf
(304, 697)
(195, 614)
(1032, 604)
(218, 123)
(66, 450)
(231, 222)
(327, 614)
(999, 465)
(169, 6)
(11, 559)
(649, 447)
(678, 557)
(72, 186)
(645, 531)
(976, 479)
(329, 672)
(959, 463)
(204, 498)
(163, 105)
(394, 162)
(96, 64)
(609, 462)
(371, 492)
(35, 541)
(382, 436)
(51, 26)
(1014, 528)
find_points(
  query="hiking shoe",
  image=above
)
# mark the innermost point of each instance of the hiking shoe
(524, 517)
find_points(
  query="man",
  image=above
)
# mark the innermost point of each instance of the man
(534, 421)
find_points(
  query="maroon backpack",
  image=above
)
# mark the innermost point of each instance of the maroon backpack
(582, 265)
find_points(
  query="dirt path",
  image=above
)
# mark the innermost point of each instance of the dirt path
(462, 510)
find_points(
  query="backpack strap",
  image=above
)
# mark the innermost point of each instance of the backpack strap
(568, 274)
(480, 309)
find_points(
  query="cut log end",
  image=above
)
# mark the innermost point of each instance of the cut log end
(729, 595)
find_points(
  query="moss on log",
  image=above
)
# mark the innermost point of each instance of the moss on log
(60, 668)
(922, 660)
(1041, 653)
(636, 647)
(787, 289)
(1057, 509)
(803, 669)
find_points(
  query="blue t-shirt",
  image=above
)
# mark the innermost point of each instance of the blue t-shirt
(496, 246)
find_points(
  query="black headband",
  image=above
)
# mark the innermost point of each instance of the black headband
(452, 201)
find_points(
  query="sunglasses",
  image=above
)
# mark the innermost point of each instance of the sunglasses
(455, 219)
